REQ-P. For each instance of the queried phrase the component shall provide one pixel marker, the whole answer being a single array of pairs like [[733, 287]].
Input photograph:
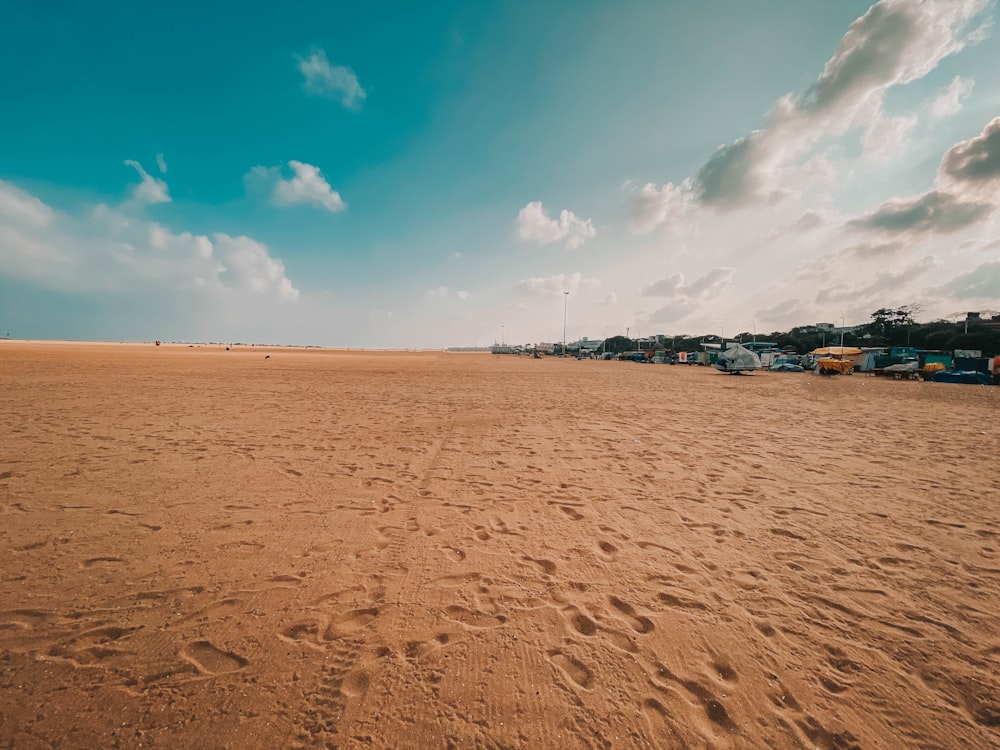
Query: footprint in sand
[[307, 632], [579, 622], [680, 602], [659, 717], [473, 618], [638, 623], [548, 567], [210, 660], [608, 550], [417, 649], [453, 552], [350, 621], [578, 673]]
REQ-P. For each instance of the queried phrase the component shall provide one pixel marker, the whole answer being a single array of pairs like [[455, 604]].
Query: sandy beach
[[269, 548]]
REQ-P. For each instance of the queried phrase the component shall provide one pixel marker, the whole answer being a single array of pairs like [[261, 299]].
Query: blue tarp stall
[[972, 377], [967, 364]]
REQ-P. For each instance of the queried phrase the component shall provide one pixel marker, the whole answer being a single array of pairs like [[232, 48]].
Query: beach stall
[[836, 360]]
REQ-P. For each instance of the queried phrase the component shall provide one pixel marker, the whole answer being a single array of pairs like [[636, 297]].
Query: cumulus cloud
[[894, 43], [949, 101], [21, 207], [934, 211], [151, 189], [112, 250], [463, 294], [334, 81], [306, 186], [665, 207], [967, 191], [731, 174], [553, 285], [247, 265], [975, 163], [535, 225]]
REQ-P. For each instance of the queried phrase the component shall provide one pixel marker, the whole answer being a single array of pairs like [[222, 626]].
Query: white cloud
[[151, 189], [463, 294], [894, 43], [886, 137], [307, 186], [535, 225], [552, 285], [699, 289], [950, 101], [112, 250], [667, 207], [974, 165], [808, 221], [19, 206], [934, 211], [249, 266], [966, 192], [334, 81], [438, 292], [161, 163], [684, 297]]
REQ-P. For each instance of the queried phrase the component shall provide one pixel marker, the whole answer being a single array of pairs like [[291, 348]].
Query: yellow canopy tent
[[834, 359], [838, 351]]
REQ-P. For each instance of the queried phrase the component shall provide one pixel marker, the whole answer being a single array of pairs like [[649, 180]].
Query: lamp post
[[501, 335], [565, 306]]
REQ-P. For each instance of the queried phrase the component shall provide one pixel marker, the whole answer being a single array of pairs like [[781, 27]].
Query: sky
[[423, 175]]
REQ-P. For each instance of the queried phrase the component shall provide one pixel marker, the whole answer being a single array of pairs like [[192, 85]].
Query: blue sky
[[388, 175]]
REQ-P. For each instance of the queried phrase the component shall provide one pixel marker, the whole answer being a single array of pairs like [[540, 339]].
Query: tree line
[[887, 327]]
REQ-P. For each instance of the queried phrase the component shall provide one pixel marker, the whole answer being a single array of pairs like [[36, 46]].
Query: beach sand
[[206, 549]]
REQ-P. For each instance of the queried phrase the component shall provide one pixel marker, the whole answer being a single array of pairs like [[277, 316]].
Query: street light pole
[[565, 305]]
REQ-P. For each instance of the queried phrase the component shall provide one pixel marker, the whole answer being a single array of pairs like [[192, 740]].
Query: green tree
[[890, 326], [617, 344]]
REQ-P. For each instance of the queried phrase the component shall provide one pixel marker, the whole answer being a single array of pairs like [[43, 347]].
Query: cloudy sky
[[438, 174]]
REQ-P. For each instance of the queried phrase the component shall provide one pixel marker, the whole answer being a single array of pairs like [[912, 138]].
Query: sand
[[204, 549]]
